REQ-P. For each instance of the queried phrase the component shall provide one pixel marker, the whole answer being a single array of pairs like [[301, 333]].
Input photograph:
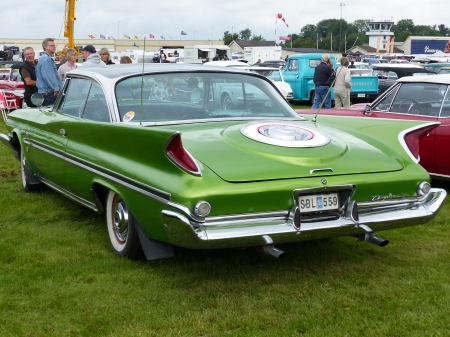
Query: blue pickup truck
[[299, 74]]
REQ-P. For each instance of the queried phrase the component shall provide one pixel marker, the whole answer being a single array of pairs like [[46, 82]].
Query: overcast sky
[[204, 19]]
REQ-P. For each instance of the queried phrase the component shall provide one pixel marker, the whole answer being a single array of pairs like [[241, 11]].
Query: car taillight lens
[[181, 157], [413, 138]]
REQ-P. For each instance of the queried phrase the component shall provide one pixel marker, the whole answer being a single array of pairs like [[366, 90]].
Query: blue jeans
[[49, 99], [320, 96]]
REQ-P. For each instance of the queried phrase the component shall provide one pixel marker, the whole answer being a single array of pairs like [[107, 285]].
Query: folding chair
[[10, 103], [3, 105]]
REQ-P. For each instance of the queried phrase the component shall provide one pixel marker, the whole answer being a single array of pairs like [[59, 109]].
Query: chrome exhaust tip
[[270, 249], [371, 238]]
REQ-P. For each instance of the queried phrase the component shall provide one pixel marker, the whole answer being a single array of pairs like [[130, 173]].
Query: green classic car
[[161, 151]]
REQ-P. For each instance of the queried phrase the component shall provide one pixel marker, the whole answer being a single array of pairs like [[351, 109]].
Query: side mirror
[[367, 109], [37, 99]]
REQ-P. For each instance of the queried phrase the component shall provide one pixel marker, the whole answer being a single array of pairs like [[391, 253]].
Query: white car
[[276, 76]]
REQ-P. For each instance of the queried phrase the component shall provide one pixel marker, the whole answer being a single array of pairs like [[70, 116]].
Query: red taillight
[[413, 138], [180, 156]]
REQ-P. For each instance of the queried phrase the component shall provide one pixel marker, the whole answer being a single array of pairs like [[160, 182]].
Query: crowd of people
[[46, 77]]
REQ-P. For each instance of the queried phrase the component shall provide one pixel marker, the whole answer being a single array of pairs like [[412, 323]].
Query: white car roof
[[439, 79], [225, 64], [399, 65]]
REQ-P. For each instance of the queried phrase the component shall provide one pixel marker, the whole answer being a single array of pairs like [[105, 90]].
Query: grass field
[[59, 277]]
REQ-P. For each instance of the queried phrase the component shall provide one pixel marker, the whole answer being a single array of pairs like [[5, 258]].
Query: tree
[[245, 34], [257, 38], [228, 38], [359, 25], [443, 30]]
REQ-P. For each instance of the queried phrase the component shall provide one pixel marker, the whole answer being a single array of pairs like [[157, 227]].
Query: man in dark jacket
[[28, 73], [322, 76]]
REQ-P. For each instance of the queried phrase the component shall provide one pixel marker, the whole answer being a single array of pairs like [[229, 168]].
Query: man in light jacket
[[91, 58], [342, 86], [48, 81]]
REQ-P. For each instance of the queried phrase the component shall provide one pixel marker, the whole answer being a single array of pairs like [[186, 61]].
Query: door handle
[[62, 132]]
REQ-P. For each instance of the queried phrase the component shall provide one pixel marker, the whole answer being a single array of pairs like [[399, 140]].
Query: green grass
[[59, 277]]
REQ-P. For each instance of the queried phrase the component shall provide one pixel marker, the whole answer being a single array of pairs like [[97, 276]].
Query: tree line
[[338, 34]]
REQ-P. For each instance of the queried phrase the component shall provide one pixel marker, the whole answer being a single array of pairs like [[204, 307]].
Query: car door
[[88, 134], [415, 101], [44, 146], [291, 76]]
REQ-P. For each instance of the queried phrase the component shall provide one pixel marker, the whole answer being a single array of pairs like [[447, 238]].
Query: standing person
[[322, 76], [91, 58], [352, 64], [47, 79], [28, 73], [71, 56], [162, 56], [342, 86], [125, 60], [105, 56], [62, 60]]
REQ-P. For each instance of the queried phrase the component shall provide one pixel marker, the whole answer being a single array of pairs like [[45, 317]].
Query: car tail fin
[[410, 139], [180, 156]]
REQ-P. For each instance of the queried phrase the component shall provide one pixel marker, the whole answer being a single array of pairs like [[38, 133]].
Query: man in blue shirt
[[322, 75], [48, 81]]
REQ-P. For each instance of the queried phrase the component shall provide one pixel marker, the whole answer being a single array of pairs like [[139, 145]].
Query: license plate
[[318, 202], [361, 95]]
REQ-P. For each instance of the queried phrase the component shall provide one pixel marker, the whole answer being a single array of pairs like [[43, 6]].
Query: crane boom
[[69, 19]]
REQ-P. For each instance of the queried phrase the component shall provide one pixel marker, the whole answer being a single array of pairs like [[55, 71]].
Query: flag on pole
[[183, 32], [102, 36], [126, 36], [136, 37], [162, 37], [320, 39], [151, 36], [285, 38], [111, 37], [135, 45], [284, 20], [91, 36]]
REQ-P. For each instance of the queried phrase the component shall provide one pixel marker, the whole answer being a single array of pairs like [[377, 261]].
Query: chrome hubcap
[[121, 221]]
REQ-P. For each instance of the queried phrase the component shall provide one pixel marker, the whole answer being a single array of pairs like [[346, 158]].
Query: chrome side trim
[[149, 191], [320, 170], [439, 176], [69, 194]]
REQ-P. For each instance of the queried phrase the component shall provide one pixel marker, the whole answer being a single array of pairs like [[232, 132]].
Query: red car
[[425, 98], [11, 82]]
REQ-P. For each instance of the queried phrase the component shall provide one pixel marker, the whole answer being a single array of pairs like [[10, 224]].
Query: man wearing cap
[[91, 58], [48, 81]]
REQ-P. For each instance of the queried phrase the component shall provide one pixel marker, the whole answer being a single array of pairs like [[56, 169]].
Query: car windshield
[[427, 99], [186, 96]]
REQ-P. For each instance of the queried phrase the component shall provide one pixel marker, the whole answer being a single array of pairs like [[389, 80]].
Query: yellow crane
[[69, 19]]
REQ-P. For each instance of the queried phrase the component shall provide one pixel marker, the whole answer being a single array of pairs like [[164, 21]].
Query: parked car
[[443, 70], [153, 149], [436, 66], [11, 83], [423, 98], [373, 61], [276, 63], [276, 76], [361, 65], [389, 73]]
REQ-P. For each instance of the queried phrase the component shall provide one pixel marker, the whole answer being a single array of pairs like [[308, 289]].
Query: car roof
[[398, 65], [439, 79], [122, 70]]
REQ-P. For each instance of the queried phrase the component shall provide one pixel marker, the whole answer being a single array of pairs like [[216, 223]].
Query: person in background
[[91, 58], [125, 60], [162, 56], [342, 85], [259, 61], [47, 79], [28, 73], [105, 56], [352, 64], [62, 60], [10, 56], [71, 56], [322, 76]]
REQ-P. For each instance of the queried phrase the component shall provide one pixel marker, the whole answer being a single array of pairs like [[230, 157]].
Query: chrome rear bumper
[[249, 229]]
